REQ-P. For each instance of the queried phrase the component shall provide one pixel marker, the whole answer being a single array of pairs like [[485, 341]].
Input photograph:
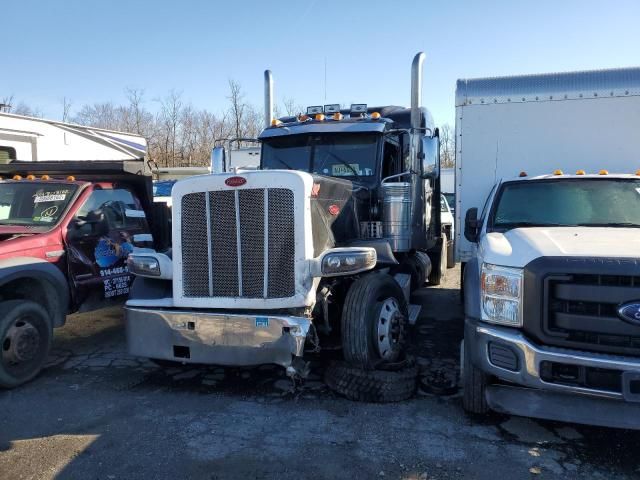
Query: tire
[[474, 382], [374, 303], [451, 256], [439, 270], [377, 386], [25, 340]]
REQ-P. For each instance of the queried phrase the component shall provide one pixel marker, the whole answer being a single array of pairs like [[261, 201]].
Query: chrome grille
[[224, 246], [239, 243], [194, 228], [281, 245]]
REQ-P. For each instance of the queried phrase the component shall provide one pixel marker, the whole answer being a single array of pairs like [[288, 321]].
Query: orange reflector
[[31, 177], [375, 115], [315, 190], [337, 116], [303, 118], [17, 177], [71, 178], [603, 172], [523, 174], [45, 177], [319, 117], [638, 172], [580, 172], [558, 172], [275, 122]]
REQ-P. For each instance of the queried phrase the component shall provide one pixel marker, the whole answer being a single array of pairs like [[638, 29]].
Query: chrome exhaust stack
[[268, 98], [416, 89]]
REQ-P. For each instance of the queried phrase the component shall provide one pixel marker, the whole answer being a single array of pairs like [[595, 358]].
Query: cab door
[[103, 232]]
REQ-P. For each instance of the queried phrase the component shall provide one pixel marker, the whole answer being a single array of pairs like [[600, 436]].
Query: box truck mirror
[[471, 225], [429, 157], [218, 160]]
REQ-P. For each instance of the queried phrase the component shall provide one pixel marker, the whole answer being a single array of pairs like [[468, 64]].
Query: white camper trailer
[[39, 139]]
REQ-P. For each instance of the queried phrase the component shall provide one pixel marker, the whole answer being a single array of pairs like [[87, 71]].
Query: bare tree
[[447, 146], [291, 107], [238, 108], [66, 109]]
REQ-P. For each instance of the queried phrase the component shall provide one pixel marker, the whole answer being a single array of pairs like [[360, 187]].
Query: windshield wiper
[[612, 224], [345, 164]]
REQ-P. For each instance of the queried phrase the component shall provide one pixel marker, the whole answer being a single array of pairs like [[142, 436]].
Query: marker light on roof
[[17, 177], [45, 177], [523, 174], [333, 108], [580, 172], [275, 122], [338, 116], [603, 172], [31, 177], [375, 115], [303, 118], [315, 109], [558, 172], [71, 178], [638, 172], [319, 117]]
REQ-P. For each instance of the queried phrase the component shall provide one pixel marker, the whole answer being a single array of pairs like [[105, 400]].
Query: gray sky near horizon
[[91, 51]]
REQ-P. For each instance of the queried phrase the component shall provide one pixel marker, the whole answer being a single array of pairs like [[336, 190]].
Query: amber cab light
[[375, 115], [45, 177], [580, 172], [337, 116], [17, 177], [603, 172], [31, 177], [558, 172], [319, 117], [523, 174], [71, 178]]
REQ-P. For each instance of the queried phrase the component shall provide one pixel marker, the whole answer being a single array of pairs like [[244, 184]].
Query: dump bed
[[539, 123]]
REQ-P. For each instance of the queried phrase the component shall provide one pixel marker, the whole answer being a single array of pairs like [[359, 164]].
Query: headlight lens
[[143, 266], [351, 261], [501, 292]]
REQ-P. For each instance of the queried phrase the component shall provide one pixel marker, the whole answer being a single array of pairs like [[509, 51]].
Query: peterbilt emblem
[[235, 181], [630, 312]]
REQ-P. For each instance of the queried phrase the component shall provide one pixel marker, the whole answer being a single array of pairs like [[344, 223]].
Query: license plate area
[[631, 386]]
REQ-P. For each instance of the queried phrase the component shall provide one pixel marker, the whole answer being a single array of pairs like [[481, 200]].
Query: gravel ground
[[97, 413]]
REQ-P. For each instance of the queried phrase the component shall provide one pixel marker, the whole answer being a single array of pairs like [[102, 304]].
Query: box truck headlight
[[346, 261], [153, 265], [501, 295]]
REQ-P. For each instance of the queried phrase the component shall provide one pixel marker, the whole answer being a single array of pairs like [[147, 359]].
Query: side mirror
[[429, 157], [218, 160], [471, 225]]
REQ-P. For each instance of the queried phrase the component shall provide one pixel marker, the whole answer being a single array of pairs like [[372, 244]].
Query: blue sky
[[91, 51]]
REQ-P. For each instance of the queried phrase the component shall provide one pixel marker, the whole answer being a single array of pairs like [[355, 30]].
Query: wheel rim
[[21, 344], [389, 329]]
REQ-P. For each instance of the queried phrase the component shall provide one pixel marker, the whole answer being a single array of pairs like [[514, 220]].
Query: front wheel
[[474, 383], [25, 340], [374, 321]]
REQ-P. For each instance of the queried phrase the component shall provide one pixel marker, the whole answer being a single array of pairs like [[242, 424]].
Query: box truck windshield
[[570, 202]]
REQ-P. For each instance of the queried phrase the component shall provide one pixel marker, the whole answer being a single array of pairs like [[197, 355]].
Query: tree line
[[179, 134]]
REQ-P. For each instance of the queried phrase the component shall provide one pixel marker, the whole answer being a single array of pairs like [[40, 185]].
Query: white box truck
[[548, 205]]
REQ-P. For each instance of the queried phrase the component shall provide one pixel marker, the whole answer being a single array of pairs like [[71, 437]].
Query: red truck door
[[103, 232]]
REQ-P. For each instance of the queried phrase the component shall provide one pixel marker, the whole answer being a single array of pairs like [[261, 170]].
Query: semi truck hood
[[519, 246]]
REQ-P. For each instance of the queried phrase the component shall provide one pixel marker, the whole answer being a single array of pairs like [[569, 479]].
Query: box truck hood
[[519, 246]]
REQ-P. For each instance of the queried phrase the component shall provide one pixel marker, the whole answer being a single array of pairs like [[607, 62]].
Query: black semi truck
[[319, 249]]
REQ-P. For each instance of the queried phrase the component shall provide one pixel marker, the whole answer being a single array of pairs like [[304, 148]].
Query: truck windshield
[[571, 202], [337, 155], [39, 204]]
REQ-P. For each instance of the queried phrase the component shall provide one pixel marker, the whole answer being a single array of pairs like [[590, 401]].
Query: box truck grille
[[582, 311], [238, 243]]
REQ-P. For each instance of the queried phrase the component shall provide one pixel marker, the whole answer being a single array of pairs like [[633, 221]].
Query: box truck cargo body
[[548, 208]]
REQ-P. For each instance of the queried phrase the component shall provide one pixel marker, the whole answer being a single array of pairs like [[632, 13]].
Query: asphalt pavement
[[98, 413]]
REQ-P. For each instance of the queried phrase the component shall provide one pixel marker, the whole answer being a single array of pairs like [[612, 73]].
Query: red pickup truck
[[66, 229]]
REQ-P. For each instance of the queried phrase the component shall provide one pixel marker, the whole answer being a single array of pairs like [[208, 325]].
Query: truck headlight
[[501, 295], [347, 261], [150, 264]]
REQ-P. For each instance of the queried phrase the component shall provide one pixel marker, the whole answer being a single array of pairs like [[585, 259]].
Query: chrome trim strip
[[531, 355], [238, 244], [265, 284], [209, 254]]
